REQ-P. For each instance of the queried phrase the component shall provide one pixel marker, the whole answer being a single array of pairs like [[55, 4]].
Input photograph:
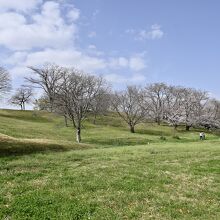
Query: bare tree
[[156, 94], [76, 95], [193, 104], [214, 106], [129, 106], [42, 103], [210, 118], [5, 81], [101, 103], [22, 97], [47, 78], [173, 111], [61, 109]]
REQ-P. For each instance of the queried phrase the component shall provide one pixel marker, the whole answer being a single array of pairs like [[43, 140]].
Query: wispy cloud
[[153, 33], [136, 78], [135, 62]]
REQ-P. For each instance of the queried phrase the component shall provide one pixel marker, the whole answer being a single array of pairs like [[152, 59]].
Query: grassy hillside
[[27, 131], [113, 174]]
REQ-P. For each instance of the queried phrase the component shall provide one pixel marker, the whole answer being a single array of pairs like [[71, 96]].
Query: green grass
[[114, 174], [109, 131]]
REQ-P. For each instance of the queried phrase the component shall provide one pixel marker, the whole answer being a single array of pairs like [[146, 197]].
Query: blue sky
[[126, 41]]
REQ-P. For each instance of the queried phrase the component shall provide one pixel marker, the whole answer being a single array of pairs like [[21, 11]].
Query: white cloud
[[49, 35], [11, 20], [73, 14], [67, 57], [154, 33], [19, 5], [73, 58], [124, 79], [137, 63], [122, 61], [134, 63], [92, 50], [16, 58], [118, 62], [48, 29]]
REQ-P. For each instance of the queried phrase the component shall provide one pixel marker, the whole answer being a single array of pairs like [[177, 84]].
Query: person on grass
[[201, 136]]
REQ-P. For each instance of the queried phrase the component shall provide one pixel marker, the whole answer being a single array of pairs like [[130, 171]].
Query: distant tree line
[[174, 105], [74, 94]]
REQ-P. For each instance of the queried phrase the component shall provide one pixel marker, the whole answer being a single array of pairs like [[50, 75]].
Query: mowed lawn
[[138, 176], [158, 181]]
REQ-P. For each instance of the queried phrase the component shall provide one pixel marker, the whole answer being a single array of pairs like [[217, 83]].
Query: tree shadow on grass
[[119, 141], [19, 147]]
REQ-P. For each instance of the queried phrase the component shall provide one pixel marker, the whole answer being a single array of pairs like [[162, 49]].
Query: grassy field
[[113, 174]]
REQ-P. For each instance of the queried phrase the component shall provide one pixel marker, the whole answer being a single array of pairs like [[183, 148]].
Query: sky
[[125, 41]]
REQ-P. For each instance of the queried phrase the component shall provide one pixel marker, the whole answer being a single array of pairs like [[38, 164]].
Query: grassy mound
[[39, 131], [15, 146]]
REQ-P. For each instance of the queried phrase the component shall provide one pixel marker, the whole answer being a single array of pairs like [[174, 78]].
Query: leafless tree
[[129, 106], [22, 97], [173, 110], [76, 95], [210, 118], [156, 94], [193, 104], [214, 106], [47, 78], [42, 103], [101, 103], [5, 81], [61, 109]]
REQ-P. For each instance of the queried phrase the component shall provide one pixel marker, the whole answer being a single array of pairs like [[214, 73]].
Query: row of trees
[[74, 94], [163, 103]]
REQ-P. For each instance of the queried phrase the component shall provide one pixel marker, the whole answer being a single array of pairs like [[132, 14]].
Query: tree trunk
[[187, 127], [175, 127], [51, 105], [132, 129], [66, 122], [78, 134], [157, 120], [94, 121]]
